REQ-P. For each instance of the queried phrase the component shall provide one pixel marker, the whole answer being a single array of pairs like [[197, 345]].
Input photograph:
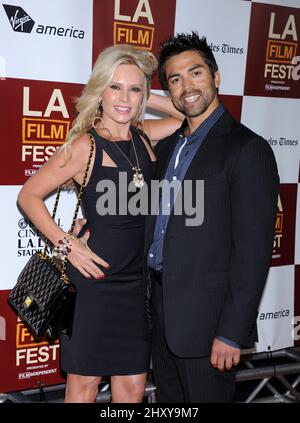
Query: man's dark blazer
[[214, 274]]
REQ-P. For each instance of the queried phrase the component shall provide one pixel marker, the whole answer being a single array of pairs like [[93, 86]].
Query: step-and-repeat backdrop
[[46, 54]]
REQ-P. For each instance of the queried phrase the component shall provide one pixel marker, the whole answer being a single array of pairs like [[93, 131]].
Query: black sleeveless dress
[[109, 336]]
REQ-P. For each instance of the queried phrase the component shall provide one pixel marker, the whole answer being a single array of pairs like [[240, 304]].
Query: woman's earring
[[98, 114]]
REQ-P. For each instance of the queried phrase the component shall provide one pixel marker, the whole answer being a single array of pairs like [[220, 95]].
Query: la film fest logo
[[42, 134], [282, 62], [34, 356], [21, 21], [127, 30]]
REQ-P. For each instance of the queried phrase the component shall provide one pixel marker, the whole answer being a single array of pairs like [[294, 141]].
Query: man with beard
[[206, 280]]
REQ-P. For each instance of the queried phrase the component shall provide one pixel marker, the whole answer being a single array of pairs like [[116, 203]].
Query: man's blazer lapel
[[201, 163]]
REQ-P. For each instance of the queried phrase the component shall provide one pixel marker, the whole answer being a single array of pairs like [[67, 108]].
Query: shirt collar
[[207, 123]]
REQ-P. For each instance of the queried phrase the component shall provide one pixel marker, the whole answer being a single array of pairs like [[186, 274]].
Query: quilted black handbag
[[43, 297]]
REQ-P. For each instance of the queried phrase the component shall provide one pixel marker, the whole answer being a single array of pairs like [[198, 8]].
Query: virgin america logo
[[20, 20]]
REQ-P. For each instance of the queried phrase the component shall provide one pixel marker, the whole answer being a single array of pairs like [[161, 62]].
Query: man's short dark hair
[[180, 43]]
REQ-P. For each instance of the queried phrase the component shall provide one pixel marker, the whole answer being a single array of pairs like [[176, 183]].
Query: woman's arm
[[164, 104], [157, 129], [51, 175]]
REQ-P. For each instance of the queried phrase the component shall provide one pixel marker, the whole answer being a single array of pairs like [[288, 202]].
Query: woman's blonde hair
[[108, 60]]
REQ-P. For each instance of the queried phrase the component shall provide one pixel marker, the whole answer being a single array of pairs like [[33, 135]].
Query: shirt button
[[174, 178], [169, 204], [162, 231], [151, 255]]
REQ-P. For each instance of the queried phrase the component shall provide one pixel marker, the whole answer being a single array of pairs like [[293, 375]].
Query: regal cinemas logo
[[29, 238], [278, 230], [42, 133], [128, 31], [282, 61]]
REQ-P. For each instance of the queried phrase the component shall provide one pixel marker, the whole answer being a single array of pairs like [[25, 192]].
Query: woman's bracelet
[[64, 247]]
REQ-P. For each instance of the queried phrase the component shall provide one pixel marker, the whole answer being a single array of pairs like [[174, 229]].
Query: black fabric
[[215, 272], [177, 379], [109, 336], [154, 274]]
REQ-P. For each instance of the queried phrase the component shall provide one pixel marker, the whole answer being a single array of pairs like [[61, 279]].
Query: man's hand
[[223, 356], [79, 223]]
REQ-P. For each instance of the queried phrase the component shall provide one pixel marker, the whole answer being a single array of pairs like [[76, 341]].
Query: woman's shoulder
[[82, 144]]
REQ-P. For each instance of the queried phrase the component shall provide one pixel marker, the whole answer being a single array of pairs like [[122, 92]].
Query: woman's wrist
[[63, 247]]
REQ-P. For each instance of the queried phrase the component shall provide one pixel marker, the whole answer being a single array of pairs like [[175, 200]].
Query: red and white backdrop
[[46, 54]]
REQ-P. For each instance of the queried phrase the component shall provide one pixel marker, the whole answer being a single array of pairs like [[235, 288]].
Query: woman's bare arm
[[156, 129], [51, 175]]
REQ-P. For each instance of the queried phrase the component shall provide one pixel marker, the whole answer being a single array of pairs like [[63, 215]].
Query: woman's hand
[[84, 259], [157, 129]]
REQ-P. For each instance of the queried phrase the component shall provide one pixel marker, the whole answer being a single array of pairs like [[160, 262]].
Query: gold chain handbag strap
[[78, 198], [83, 183]]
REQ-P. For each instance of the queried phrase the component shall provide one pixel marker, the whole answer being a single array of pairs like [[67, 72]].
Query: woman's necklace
[[138, 177]]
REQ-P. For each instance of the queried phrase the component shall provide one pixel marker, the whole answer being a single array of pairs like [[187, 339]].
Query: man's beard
[[202, 104]]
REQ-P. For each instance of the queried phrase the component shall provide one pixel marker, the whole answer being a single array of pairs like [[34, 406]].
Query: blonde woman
[[109, 337]]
